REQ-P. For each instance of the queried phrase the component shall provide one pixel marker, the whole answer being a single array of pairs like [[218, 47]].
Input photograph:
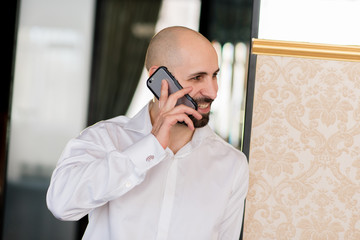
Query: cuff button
[[149, 158]]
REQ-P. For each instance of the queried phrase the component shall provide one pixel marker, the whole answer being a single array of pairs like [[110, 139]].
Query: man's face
[[199, 69]]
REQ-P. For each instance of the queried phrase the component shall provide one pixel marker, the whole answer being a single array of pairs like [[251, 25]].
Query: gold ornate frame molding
[[306, 50]]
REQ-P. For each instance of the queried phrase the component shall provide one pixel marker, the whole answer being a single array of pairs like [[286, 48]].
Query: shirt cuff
[[145, 153]]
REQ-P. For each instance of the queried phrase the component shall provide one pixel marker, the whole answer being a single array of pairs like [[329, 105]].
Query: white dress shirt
[[131, 188]]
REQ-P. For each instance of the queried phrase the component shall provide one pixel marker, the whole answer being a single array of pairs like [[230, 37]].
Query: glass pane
[[49, 104], [317, 21], [172, 13]]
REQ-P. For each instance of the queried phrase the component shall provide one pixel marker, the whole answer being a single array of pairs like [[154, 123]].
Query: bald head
[[167, 47]]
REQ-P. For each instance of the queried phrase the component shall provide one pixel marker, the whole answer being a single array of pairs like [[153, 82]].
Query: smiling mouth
[[203, 105]]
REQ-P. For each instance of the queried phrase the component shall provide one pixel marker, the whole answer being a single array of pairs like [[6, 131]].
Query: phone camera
[[150, 81]]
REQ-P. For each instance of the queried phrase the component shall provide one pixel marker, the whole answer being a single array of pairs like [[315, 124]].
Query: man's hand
[[169, 114]]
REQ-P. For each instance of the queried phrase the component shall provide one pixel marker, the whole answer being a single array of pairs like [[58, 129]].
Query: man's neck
[[180, 136]]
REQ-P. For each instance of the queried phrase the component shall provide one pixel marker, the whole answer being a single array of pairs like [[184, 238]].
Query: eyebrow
[[202, 73]]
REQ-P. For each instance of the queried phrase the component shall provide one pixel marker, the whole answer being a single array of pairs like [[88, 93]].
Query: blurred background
[[79, 62], [68, 64]]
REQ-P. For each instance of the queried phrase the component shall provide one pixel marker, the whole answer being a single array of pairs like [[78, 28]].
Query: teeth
[[203, 105]]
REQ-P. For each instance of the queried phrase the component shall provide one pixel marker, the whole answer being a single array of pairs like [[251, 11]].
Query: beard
[[202, 122], [205, 117]]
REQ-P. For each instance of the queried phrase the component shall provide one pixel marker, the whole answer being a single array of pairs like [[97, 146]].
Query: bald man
[[149, 177]]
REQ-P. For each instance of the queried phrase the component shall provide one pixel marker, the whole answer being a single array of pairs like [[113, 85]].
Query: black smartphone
[[154, 84]]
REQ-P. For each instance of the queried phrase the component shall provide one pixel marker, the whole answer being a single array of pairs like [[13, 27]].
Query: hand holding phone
[[171, 112], [154, 84]]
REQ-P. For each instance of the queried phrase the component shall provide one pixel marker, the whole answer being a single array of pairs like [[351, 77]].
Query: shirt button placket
[[168, 201]]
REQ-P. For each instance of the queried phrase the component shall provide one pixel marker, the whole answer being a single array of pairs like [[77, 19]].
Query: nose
[[210, 88]]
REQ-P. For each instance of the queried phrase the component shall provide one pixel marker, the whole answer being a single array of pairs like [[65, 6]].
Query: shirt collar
[[141, 122], [200, 135]]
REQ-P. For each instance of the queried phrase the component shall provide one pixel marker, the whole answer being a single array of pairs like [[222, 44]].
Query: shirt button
[[128, 184]]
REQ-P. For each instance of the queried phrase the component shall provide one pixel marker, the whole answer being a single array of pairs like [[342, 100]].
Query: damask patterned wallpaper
[[305, 150]]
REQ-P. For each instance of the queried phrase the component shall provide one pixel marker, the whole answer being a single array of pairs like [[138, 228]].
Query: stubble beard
[[205, 117], [202, 122]]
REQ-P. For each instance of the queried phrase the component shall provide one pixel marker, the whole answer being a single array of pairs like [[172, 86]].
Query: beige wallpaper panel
[[305, 150]]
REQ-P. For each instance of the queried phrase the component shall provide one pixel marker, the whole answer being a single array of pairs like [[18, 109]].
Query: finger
[[185, 119], [163, 93], [161, 129], [180, 109], [172, 119], [187, 110], [181, 92], [174, 97]]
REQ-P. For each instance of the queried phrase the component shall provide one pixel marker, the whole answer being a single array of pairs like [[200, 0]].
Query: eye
[[197, 78]]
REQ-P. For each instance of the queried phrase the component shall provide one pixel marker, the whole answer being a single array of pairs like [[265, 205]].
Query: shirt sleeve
[[232, 220], [88, 175]]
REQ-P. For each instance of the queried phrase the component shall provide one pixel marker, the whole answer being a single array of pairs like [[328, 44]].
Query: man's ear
[[152, 69]]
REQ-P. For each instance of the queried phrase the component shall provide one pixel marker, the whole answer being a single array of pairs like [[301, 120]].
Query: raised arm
[[91, 172]]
